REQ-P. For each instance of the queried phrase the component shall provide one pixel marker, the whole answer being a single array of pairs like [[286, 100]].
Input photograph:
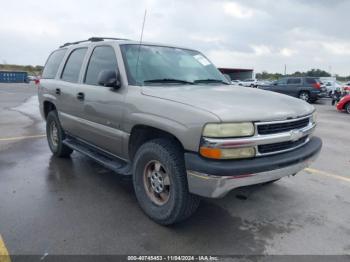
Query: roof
[[118, 40]]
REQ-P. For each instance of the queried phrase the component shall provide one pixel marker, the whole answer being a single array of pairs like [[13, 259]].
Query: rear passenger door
[[67, 90], [293, 86], [102, 108]]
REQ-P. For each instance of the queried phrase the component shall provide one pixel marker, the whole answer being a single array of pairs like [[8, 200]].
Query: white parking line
[[20, 137]]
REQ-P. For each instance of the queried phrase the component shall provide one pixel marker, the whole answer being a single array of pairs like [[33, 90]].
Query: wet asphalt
[[75, 206]]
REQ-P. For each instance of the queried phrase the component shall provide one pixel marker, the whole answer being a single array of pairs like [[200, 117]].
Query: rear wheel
[[304, 95], [347, 108], [160, 182], [55, 136]]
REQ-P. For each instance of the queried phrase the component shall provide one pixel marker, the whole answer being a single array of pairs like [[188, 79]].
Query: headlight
[[227, 153], [229, 130], [314, 117]]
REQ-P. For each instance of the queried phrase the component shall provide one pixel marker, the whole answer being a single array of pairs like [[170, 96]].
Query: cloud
[[338, 48], [287, 52], [238, 11], [260, 50], [259, 34]]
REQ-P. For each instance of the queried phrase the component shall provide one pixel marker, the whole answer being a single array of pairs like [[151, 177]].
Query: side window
[[102, 58], [52, 64], [73, 65], [293, 81], [282, 81]]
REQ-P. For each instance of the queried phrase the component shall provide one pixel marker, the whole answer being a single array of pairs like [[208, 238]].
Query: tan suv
[[166, 117]]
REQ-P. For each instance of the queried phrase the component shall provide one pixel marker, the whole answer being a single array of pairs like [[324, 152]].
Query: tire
[[347, 107], [55, 138], [304, 95], [174, 203]]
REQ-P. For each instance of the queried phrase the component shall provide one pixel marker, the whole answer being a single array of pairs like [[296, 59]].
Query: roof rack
[[92, 39]]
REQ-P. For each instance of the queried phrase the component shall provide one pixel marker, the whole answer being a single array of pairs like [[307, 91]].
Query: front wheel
[[160, 182], [55, 136], [303, 95]]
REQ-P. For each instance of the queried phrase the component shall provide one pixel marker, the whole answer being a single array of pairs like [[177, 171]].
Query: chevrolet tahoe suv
[[167, 118]]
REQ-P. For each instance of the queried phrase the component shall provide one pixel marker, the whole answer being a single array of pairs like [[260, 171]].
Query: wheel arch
[[141, 134], [48, 106]]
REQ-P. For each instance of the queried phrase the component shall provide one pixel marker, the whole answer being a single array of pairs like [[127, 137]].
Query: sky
[[260, 34]]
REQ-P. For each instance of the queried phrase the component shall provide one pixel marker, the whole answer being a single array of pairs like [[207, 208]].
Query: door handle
[[80, 96], [58, 91]]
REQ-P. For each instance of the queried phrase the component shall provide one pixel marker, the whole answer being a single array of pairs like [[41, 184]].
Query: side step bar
[[109, 161]]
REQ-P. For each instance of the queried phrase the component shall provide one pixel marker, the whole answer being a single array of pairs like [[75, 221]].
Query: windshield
[[168, 65]]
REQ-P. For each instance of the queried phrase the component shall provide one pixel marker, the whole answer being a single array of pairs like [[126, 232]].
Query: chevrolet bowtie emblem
[[295, 135]]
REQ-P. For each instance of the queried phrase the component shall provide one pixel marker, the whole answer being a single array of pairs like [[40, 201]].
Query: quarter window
[[102, 59], [73, 65], [311, 80], [52, 64]]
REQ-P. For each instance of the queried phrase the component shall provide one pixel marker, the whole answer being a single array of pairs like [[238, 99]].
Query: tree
[[312, 73]]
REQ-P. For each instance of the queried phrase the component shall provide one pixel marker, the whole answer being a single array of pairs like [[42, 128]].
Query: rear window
[[52, 64], [311, 80], [73, 65]]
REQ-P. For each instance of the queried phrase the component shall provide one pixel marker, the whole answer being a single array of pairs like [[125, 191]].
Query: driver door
[[101, 108]]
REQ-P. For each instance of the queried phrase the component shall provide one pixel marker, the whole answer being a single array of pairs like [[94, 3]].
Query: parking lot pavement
[[75, 206]]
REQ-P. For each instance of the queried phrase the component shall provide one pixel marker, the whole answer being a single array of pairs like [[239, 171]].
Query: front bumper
[[213, 178]]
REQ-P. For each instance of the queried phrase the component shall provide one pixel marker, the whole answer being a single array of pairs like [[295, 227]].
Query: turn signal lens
[[214, 153], [227, 153]]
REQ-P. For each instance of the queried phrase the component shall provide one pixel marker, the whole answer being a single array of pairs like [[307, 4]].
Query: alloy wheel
[[157, 182]]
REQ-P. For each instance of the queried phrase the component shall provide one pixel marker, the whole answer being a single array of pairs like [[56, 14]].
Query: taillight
[[316, 85]]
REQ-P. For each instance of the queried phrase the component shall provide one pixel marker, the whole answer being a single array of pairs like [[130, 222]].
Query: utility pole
[[285, 69]]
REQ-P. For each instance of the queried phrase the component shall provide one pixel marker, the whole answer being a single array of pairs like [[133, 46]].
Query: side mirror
[[109, 78]]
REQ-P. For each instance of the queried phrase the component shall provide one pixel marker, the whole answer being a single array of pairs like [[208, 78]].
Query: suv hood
[[233, 103]]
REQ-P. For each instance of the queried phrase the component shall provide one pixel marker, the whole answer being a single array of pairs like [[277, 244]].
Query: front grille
[[270, 148], [267, 129]]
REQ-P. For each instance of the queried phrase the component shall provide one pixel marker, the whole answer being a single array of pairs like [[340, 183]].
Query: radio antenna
[[138, 53]]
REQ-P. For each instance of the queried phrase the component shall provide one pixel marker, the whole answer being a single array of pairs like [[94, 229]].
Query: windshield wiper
[[168, 80], [210, 81]]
